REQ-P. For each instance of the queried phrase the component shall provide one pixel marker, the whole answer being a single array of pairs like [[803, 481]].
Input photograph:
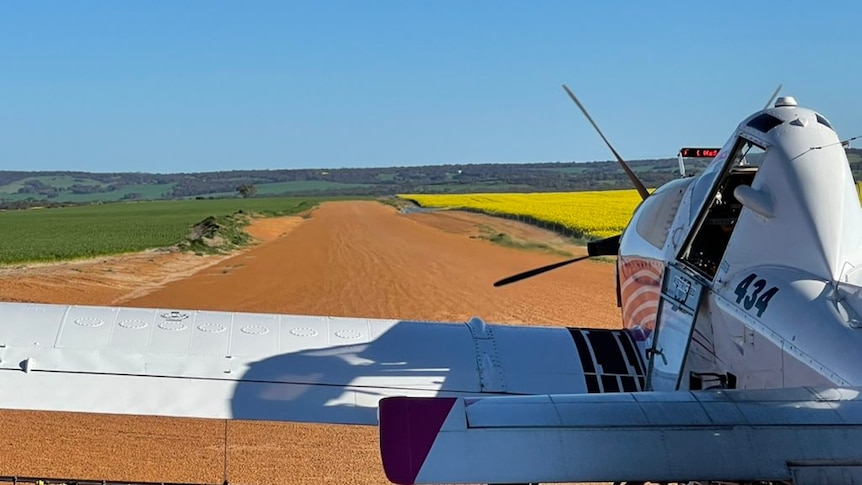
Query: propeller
[[772, 98], [611, 245], [634, 178], [538, 271], [604, 247]]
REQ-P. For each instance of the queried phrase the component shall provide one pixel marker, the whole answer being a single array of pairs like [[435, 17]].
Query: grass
[[96, 230], [505, 240], [218, 234], [393, 202]]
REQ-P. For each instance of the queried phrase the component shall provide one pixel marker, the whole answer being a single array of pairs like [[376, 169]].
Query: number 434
[[750, 293]]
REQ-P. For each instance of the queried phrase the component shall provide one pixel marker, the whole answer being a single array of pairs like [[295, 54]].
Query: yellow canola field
[[593, 214]]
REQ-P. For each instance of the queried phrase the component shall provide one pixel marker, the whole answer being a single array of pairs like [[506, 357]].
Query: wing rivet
[[173, 326], [254, 330], [303, 332], [348, 334], [89, 322], [211, 327], [132, 324]]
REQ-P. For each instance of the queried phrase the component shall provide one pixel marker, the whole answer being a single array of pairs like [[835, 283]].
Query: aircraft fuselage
[[770, 237]]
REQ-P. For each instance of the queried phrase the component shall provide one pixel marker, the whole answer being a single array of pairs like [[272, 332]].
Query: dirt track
[[349, 259]]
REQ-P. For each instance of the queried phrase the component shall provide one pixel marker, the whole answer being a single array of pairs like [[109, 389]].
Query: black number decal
[[743, 287], [759, 285], [763, 301], [754, 299]]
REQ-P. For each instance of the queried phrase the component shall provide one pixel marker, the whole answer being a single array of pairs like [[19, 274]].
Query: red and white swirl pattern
[[640, 291]]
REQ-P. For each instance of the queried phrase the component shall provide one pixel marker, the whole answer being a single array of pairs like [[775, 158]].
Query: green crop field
[[88, 231]]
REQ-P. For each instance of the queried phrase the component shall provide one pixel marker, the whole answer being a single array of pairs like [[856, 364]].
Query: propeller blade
[[772, 98], [537, 271], [609, 246], [635, 181]]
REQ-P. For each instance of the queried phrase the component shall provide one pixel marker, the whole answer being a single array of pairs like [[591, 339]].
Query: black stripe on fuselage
[[610, 360], [583, 351]]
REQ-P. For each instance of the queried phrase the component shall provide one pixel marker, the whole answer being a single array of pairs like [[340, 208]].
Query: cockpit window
[[764, 122], [747, 155], [710, 236], [823, 121]]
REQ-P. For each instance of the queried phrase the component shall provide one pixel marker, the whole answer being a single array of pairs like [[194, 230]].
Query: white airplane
[[740, 359]]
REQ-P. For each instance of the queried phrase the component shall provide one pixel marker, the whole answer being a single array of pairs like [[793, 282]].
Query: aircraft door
[[666, 350]]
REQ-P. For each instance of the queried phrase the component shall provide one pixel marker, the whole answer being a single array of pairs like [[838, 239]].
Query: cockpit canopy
[[782, 189]]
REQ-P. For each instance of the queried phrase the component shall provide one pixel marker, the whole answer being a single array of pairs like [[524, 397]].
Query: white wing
[[282, 367], [804, 435]]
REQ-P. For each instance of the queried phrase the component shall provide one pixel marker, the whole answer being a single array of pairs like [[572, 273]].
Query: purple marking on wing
[[408, 428]]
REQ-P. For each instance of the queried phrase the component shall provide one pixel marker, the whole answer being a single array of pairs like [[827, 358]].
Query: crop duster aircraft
[[740, 359]]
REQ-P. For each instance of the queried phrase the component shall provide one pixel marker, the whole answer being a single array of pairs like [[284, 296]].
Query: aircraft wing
[[286, 367], [799, 434]]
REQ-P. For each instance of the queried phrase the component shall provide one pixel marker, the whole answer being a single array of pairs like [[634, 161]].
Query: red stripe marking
[[408, 428], [636, 274]]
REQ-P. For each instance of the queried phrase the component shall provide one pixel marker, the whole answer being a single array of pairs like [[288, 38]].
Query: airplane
[[739, 359]]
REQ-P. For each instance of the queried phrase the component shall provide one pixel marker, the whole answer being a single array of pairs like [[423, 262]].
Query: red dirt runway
[[361, 259]]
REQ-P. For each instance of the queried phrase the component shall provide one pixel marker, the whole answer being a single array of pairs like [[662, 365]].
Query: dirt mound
[[206, 232], [349, 259]]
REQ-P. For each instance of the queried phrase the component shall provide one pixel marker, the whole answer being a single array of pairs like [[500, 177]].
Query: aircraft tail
[[771, 435]]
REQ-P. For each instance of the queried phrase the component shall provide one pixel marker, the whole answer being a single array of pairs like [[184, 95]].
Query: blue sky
[[168, 86]]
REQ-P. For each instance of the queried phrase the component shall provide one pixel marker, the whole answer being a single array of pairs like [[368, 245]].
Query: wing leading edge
[[799, 434], [284, 367]]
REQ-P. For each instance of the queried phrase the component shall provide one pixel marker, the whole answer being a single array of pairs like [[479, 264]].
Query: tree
[[247, 190]]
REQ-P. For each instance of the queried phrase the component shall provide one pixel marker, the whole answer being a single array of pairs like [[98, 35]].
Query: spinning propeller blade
[[772, 98], [605, 247], [537, 271], [635, 180], [609, 246]]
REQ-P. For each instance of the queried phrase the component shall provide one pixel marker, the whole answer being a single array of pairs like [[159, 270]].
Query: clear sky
[[181, 86]]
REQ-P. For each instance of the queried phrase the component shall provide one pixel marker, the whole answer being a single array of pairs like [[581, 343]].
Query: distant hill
[[24, 189]]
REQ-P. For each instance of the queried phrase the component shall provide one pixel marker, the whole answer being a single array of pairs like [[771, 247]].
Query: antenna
[[681, 165]]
